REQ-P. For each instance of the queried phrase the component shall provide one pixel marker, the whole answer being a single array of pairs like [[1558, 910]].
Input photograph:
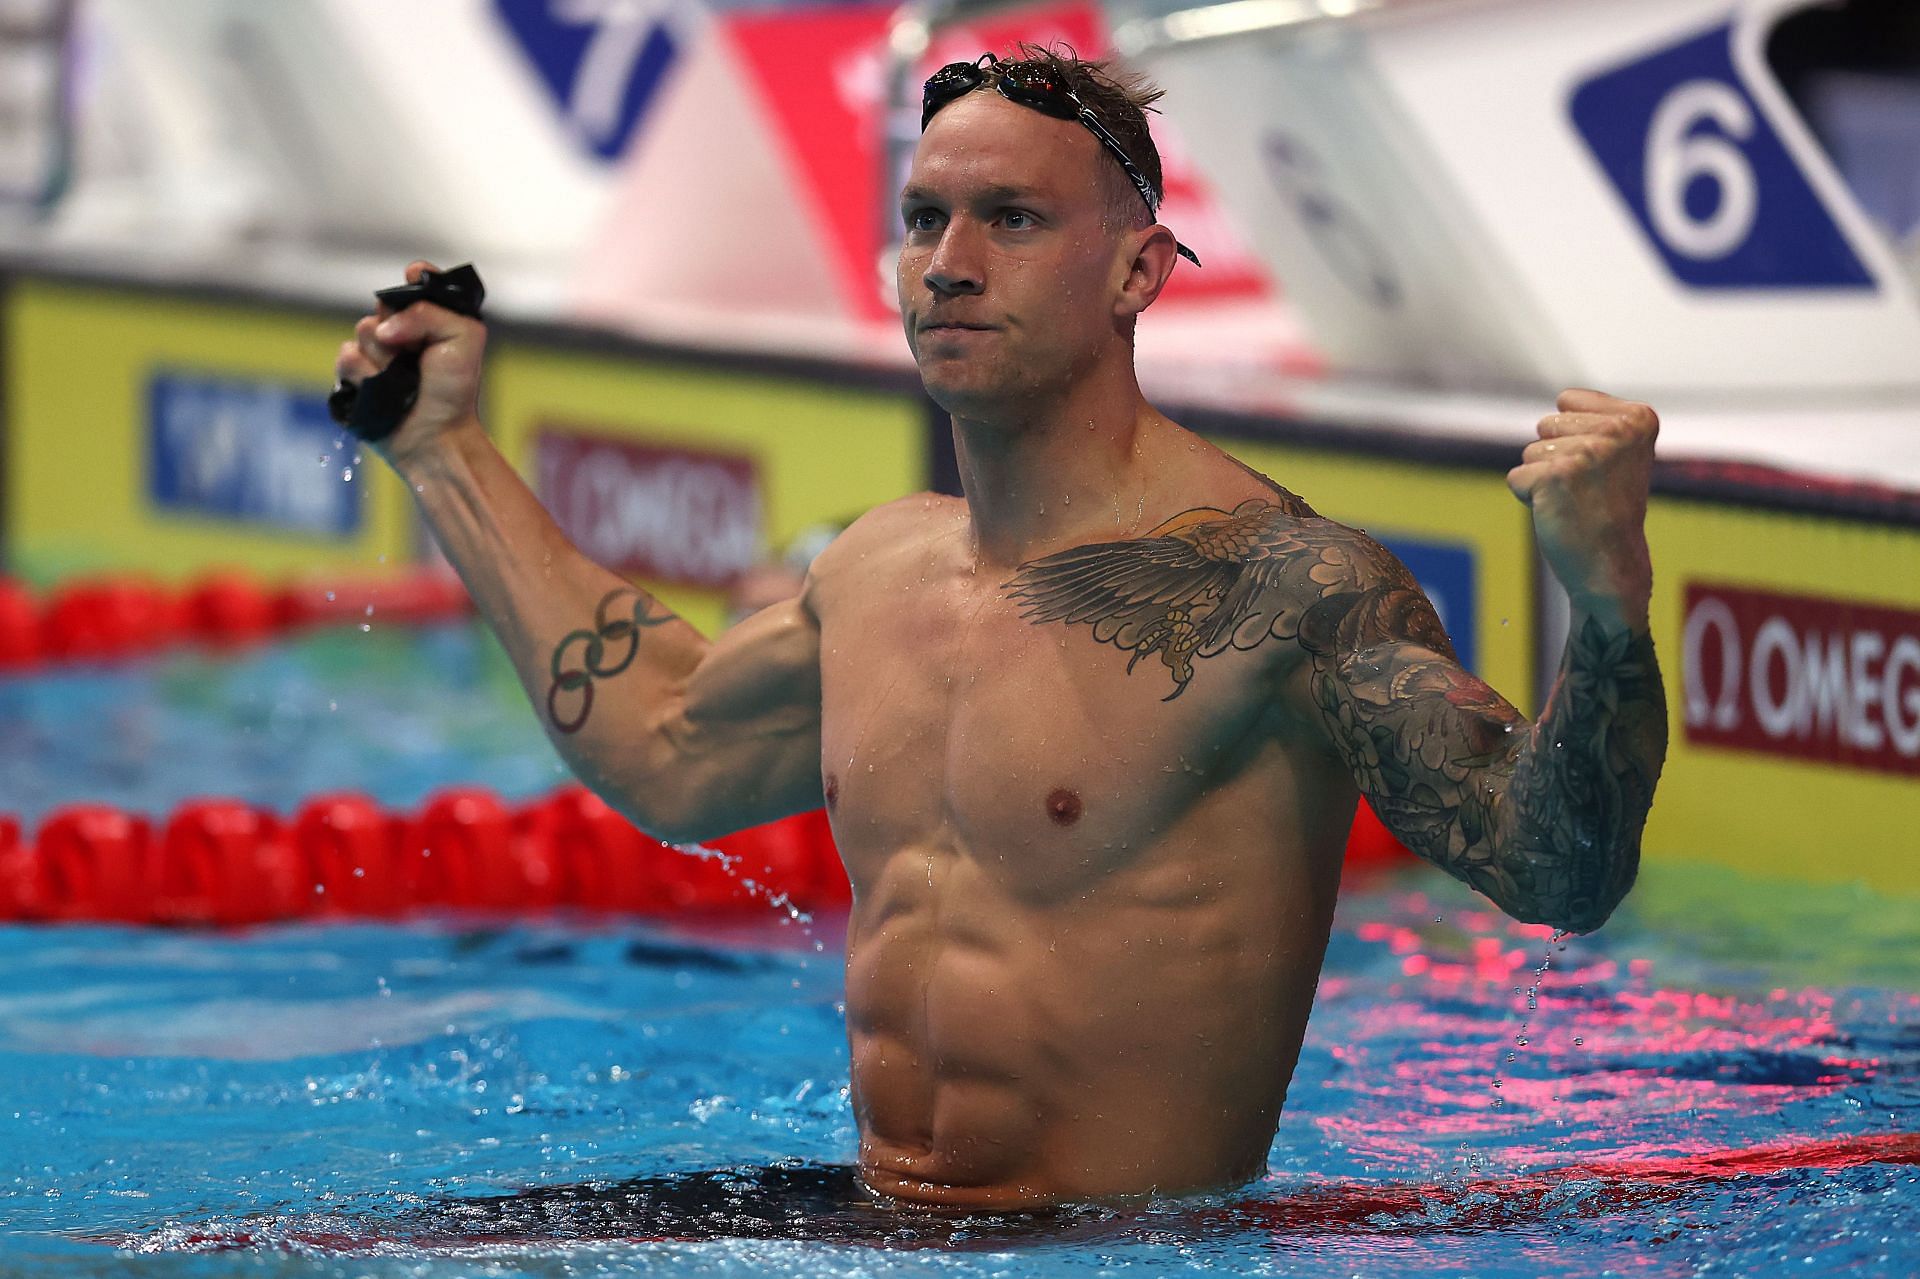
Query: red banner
[[670, 514], [1801, 676]]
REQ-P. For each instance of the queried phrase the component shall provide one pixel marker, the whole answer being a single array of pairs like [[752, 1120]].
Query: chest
[[948, 718]]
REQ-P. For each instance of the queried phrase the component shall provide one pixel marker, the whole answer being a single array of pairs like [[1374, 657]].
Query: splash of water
[[777, 900]]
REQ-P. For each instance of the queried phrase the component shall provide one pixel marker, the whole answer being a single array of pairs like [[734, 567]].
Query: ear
[[1148, 268]]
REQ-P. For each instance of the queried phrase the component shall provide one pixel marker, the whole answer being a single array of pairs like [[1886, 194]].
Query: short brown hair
[[1120, 100]]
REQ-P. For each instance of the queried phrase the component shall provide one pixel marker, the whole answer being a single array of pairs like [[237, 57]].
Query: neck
[[1043, 477]]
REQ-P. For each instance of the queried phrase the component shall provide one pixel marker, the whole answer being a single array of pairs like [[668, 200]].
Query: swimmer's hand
[[1586, 479], [451, 349]]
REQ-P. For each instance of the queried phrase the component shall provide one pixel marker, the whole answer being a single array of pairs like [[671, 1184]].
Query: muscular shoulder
[[899, 530], [1368, 598]]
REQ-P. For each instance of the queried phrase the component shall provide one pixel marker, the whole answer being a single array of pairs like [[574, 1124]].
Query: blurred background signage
[[1801, 676], [1706, 175], [257, 452], [689, 516], [602, 60]]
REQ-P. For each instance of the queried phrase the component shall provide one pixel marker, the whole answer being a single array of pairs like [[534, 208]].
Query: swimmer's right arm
[[690, 738]]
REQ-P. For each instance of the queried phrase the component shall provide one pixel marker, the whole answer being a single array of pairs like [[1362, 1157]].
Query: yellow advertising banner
[[1458, 529], [1790, 648], [683, 477], [167, 435]]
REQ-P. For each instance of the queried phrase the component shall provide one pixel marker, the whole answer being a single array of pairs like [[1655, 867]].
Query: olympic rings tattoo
[[593, 660]]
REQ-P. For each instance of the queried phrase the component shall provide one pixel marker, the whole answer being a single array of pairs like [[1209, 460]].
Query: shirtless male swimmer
[[1092, 736]]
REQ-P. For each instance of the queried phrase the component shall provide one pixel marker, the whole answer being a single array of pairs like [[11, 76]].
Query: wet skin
[[1087, 922], [1092, 736]]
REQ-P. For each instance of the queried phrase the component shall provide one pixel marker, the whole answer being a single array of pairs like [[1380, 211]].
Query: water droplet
[[365, 626], [330, 597]]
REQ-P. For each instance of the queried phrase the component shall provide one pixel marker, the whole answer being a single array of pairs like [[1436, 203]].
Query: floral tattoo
[[1545, 819]]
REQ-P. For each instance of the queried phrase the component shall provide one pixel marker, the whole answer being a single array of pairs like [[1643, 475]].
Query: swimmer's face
[[1015, 281]]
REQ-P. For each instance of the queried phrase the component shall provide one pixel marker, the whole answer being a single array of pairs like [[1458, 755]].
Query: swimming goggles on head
[[1032, 84]]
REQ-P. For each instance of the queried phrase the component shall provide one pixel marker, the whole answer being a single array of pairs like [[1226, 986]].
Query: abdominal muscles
[[944, 1073], [1009, 1053]]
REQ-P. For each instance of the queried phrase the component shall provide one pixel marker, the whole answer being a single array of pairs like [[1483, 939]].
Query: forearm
[[1542, 818], [600, 660], [1567, 838]]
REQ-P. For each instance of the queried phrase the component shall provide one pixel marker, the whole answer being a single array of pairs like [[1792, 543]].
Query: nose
[[955, 270]]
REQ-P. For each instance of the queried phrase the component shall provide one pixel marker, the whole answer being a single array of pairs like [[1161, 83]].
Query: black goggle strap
[[1133, 172], [959, 78]]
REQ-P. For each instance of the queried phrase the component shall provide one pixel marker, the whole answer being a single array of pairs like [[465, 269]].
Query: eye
[[1018, 220], [923, 218]]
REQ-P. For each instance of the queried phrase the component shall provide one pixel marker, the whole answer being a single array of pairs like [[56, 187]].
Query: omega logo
[[1819, 679]]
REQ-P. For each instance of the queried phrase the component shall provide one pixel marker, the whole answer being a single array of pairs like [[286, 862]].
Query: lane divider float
[[222, 862], [124, 616]]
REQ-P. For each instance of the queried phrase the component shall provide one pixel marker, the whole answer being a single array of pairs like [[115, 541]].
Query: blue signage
[[251, 451], [603, 61], [1709, 181], [1445, 573]]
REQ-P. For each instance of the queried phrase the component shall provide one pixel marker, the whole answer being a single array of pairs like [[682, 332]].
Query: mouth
[[955, 326]]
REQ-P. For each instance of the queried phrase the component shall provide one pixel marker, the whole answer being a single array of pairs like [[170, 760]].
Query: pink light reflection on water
[[1425, 1044]]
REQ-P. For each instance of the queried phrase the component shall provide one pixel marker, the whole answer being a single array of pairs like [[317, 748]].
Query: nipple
[[1063, 806], [833, 791]]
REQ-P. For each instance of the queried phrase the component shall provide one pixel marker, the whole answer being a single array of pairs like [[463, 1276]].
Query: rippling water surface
[[1473, 1099]]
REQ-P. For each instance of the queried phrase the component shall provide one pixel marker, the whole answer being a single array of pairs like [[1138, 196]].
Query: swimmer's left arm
[[1543, 818]]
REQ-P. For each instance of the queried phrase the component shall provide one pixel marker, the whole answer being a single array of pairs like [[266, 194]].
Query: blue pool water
[[164, 1092]]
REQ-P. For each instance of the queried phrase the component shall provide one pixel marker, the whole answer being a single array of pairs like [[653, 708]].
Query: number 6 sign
[[1719, 195]]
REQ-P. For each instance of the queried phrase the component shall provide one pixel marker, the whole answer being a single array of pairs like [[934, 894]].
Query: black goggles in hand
[[1032, 84]]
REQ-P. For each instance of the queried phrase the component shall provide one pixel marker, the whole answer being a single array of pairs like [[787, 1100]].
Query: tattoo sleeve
[[1544, 819]]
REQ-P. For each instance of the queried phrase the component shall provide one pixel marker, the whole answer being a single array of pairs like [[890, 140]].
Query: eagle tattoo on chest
[[1209, 580]]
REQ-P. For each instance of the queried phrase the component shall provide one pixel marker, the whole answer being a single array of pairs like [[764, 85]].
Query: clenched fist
[[1586, 479], [451, 349]]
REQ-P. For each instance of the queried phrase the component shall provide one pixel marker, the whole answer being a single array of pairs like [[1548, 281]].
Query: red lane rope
[[118, 617], [223, 862]]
